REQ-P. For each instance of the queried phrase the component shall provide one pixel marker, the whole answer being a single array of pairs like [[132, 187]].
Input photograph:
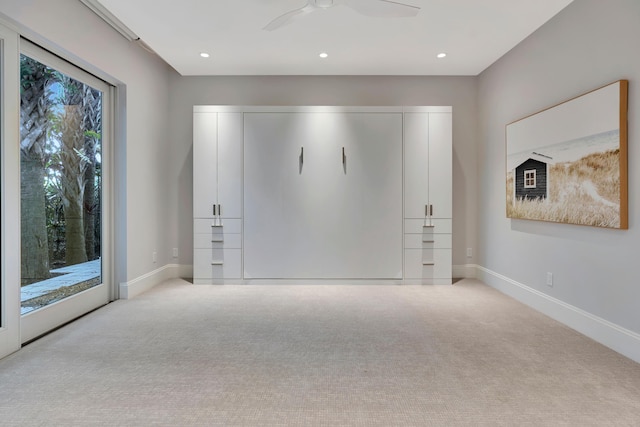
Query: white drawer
[[427, 241], [217, 241], [217, 263], [206, 225], [427, 264], [415, 226]]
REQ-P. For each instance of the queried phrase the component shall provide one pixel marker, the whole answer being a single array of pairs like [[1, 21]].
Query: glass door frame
[[41, 321], [10, 182]]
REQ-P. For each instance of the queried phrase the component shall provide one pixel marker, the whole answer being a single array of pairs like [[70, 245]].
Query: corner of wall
[[465, 271]]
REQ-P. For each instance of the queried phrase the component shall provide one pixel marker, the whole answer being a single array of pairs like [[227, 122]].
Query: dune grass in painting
[[585, 192]]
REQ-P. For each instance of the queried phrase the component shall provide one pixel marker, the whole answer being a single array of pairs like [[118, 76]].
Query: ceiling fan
[[378, 8]]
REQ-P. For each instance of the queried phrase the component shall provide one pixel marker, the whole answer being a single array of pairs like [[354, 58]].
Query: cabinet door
[[278, 171], [229, 164], [416, 170], [316, 216], [205, 134], [440, 164], [367, 202], [428, 164]]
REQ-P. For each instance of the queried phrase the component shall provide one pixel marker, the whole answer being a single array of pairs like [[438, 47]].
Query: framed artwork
[[568, 163]]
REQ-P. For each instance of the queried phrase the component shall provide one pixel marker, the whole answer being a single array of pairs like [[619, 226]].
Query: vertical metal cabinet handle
[[214, 210], [430, 210], [426, 210], [301, 155], [219, 210], [344, 157]]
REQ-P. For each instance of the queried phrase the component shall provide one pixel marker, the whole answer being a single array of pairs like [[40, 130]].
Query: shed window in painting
[[530, 178]]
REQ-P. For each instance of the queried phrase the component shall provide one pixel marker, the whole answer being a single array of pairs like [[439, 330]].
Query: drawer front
[[205, 225], [415, 226], [427, 241], [217, 241], [217, 263], [427, 264]]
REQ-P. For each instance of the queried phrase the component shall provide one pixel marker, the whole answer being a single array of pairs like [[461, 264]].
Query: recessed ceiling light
[[441, 55], [204, 54], [323, 55]]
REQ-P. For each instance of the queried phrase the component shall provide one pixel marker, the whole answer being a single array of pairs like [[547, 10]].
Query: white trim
[[110, 19], [317, 109], [298, 282], [61, 312], [141, 284], [615, 337]]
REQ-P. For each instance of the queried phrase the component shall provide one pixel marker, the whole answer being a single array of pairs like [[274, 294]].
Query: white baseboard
[[141, 284], [615, 337], [466, 271]]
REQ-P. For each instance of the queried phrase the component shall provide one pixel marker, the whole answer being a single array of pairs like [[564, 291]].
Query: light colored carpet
[[281, 355]]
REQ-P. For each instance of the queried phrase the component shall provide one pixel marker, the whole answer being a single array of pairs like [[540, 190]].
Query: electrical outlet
[[469, 253], [155, 257], [175, 252], [549, 279]]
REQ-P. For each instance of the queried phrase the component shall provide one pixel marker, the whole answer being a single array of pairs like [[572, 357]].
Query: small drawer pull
[[428, 241], [217, 262], [428, 263], [217, 241]]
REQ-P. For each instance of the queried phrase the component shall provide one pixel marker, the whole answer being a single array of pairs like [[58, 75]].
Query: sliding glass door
[[64, 178]]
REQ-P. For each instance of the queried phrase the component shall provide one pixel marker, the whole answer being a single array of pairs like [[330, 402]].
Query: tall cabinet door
[[416, 167], [368, 201], [205, 163], [427, 162], [229, 164], [278, 170], [440, 163]]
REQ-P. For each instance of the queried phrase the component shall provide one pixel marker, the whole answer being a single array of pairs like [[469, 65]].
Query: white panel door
[[416, 170], [277, 213], [229, 164], [205, 142], [307, 213], [440, 164], [368, 199]]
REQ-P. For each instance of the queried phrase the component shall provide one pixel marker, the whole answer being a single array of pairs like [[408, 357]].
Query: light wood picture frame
[[568, 163]]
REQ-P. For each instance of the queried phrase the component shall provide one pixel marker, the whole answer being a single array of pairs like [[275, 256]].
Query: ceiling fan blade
[[382, 8], [285, 19]]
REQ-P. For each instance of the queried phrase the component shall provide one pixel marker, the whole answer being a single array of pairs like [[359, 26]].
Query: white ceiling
[[473, 33]]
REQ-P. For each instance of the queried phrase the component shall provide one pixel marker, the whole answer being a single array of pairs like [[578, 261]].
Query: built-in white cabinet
[[217, 163], [322, 193], [428, 195], [217, 194]]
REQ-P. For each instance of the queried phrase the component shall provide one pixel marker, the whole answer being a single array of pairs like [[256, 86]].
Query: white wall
[[459, 92], [589, 44], [71, 30]]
